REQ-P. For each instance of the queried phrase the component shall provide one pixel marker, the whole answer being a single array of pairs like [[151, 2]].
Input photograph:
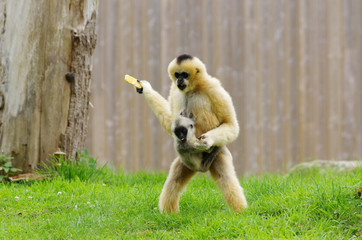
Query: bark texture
[[45, 73]]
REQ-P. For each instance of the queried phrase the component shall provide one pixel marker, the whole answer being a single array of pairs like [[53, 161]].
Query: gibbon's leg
[[223, 172], [176, 181]]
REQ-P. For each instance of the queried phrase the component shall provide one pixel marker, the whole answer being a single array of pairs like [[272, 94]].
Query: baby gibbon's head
[[185, 71], [183, 128]]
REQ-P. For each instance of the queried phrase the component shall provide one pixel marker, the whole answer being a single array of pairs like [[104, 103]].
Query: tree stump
[[45, 74]]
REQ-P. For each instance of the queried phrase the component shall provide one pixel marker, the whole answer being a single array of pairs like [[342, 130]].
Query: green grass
[[124, 206], [84, 168]]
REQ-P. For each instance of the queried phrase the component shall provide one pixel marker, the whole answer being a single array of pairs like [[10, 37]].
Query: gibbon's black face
[[184, 127], [181, 133], [184, 71], [182, 78]]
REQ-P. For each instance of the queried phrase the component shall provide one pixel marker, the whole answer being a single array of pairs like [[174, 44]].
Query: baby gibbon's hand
[[203, 143]]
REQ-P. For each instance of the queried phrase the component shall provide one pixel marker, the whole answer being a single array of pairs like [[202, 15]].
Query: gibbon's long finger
[[139, 90], [204, 142], [201, 137]]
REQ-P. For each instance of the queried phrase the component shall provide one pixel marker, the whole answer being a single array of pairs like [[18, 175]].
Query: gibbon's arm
[[228, 130], [158, 104]]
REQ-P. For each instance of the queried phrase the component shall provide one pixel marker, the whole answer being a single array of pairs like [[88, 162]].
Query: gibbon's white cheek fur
[[215, 125]]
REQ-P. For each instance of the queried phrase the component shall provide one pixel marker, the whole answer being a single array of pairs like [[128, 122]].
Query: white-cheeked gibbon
[[194, 92]]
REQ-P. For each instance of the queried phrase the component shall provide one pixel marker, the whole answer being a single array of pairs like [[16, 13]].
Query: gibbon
[[194, 91], [183, 131]]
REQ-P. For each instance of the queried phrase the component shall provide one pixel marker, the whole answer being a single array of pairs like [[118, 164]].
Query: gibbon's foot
[[168, 207]]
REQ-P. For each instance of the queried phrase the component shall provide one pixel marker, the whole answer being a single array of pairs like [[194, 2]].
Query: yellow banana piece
[[132, 81]]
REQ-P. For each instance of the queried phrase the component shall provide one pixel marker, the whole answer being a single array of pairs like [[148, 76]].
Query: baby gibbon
[[194, 91], [183, 131]]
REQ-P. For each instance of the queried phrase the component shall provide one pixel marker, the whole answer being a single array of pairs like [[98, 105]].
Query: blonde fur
[[215, 125]]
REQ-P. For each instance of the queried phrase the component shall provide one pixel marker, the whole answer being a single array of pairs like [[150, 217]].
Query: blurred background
[[293, 69]]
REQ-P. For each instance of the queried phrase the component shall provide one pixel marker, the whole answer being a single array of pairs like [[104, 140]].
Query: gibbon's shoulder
[[217, 93], [215, 82], [214, 86], [205, 82]]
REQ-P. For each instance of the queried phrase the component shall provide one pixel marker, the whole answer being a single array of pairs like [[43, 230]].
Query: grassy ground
[[309, 206]]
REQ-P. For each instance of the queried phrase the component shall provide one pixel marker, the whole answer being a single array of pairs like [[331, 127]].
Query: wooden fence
[[293, 69]]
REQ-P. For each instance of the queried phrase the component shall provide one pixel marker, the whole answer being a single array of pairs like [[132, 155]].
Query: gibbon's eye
[[185, 74], [191, 126]]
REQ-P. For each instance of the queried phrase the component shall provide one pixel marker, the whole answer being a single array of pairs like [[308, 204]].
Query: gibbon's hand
[[139, 90], [146, 86], [203, 143]]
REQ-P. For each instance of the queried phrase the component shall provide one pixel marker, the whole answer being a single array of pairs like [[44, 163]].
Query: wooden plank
[[351, 78], [237, 58], [268, 83], [334, 75], [288, 58], [97, 144], [261, 159], [279, 82], [250, 75], [322, 53], [127, 96], [358, 108], [302, 14], [155, 72]]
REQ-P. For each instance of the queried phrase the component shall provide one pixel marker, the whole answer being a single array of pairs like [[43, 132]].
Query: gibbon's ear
[[197, 70]]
